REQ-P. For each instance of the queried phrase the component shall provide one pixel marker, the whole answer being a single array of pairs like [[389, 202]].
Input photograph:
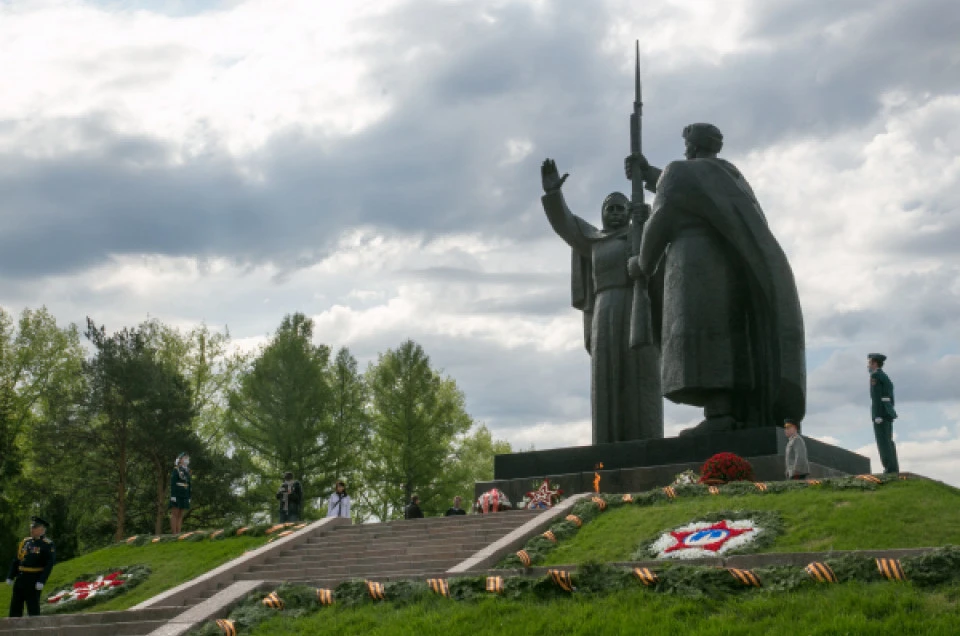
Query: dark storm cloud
[[436, 162]]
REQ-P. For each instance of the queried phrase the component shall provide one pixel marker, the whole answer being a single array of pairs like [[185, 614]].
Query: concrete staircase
[[328, 555], [417, 548], [124, 623]]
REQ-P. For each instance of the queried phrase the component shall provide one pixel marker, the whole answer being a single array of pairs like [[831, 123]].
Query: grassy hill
[[171, 563], [902, 514], [869, 608]]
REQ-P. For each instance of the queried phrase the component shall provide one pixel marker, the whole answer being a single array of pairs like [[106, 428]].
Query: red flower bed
[[726, 467]]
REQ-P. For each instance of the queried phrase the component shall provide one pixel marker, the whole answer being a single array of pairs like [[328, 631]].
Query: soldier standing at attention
[[881, 410], [179, 492], [30, 570]]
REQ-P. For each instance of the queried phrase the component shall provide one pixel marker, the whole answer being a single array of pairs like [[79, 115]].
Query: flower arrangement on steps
[[90, 589]]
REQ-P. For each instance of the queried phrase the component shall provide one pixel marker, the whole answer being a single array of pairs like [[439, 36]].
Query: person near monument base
[[179, 492], [290, 496], [30, 569], [625, 383], [798, 467], [456, 508], [882, 412], [731, 337], [339, 503], [413, 511]]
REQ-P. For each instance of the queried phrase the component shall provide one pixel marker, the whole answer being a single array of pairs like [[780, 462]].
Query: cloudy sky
[[375, 164]]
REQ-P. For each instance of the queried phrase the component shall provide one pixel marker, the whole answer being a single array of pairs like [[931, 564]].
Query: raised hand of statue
[[635, 161], [550, 176]]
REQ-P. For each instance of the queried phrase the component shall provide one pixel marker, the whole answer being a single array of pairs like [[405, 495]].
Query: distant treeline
[[88, 435]]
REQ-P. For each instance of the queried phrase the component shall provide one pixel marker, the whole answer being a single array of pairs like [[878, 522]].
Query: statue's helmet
[[705, 136]]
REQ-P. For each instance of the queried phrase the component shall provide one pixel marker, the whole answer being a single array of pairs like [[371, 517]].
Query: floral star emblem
[[710, 538], [542, 497]]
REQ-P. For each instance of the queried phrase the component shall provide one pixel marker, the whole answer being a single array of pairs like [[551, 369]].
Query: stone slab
[[671, 450], [515, 539]]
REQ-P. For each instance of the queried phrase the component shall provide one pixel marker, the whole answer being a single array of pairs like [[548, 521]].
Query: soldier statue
[[625, 383], [731, 330]]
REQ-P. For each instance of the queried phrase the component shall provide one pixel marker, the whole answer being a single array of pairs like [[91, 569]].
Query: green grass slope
[[899, 514], [855, 608], [171, 564]]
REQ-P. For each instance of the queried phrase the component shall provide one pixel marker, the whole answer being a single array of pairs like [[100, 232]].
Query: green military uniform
[[882, 413], [180, 487], [30, 570]]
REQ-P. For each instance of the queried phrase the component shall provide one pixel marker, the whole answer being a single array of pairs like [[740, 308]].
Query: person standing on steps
[[798, 467], [457, 508], [179, 492], [413, 511], [290, 496], [30, 569], [339, 504], [882, 412]]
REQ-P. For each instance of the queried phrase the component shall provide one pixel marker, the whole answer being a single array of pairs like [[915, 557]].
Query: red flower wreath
[[726, 467]]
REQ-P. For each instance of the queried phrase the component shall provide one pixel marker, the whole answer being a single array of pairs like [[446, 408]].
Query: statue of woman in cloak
[[625, 383]]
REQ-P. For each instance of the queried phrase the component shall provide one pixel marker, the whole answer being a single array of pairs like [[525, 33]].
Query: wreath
[[90, 589]]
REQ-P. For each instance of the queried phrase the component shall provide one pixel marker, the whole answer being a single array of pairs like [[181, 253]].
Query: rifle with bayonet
[[640, 329]]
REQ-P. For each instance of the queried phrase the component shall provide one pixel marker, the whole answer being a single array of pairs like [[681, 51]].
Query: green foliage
[[601, 586], [417, 418], [915, 513], [282, 407]]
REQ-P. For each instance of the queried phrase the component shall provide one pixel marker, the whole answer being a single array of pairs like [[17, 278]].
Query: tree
[[350, 427], [417, 418], [37, 359], [282, 406], [137, 408]]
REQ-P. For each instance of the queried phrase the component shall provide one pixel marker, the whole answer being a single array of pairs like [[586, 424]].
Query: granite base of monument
[[646, 464]]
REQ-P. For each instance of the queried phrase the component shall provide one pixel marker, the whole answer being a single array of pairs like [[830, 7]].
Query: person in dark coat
[[882, 412], [290, 495], [457, 508], [30, 569], [413, 511], [179, 491]]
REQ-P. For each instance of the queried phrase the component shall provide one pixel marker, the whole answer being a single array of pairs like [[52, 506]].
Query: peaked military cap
[[879, 357], [37, 521]]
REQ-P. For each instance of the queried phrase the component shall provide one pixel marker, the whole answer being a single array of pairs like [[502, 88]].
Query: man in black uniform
[[29, 571], [882, 412], [456, 509]]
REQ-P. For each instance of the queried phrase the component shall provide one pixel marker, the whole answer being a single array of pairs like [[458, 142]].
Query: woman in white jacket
[[339, 504]]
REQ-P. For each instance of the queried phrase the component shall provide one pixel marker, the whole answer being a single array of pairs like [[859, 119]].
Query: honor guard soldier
[[29, 571], [882, 412]]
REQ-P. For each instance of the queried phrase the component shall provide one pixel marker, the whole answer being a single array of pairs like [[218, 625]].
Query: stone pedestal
[[646, 464]]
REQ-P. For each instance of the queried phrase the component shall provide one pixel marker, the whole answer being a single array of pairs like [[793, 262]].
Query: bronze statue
[[731, 330], [625, 382]]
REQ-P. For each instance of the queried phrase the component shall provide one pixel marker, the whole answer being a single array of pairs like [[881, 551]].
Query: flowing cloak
[[625, 384], [718, 255]]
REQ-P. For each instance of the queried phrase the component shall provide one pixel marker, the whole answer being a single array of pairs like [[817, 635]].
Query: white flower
[[661, 548]]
